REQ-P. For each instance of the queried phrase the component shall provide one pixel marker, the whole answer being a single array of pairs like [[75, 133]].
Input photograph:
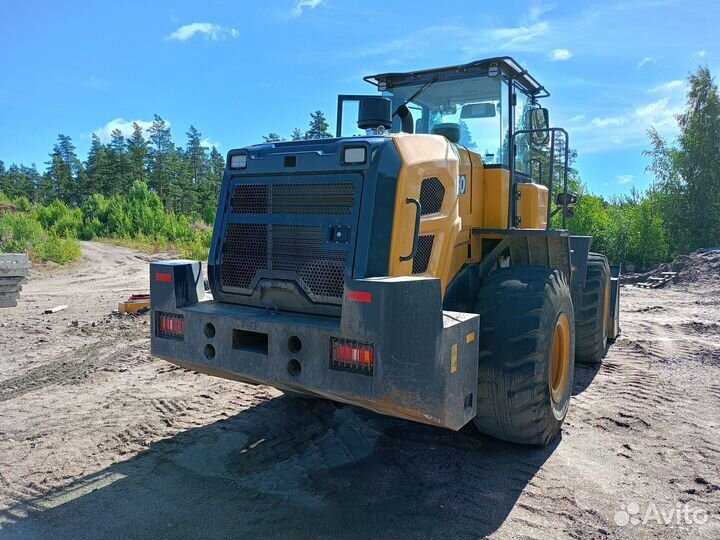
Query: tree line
[[186, 179], [678, 213]]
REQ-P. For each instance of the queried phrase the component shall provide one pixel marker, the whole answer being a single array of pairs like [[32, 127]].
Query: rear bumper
[[425, 360]]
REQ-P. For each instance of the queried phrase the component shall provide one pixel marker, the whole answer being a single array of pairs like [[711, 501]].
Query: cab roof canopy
[[490, 67]]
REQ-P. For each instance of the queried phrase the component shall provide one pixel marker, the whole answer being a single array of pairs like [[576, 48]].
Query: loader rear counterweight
[[408, 266]]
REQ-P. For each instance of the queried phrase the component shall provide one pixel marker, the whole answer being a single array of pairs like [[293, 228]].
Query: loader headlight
[[238, 161], [354, 155]]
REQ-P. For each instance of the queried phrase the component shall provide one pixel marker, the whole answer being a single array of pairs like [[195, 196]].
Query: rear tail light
[[169, 325], [353, 355]]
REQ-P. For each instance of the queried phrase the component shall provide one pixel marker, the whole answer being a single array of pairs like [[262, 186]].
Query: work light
[[238, 161]]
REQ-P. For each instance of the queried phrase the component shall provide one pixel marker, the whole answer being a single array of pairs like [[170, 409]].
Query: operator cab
[[477, 105]]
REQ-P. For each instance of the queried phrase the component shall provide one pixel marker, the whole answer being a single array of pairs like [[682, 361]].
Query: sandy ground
[[99, 440]]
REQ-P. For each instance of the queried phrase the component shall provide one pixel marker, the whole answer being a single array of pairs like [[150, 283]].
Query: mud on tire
[[520, 308], [591, 317]]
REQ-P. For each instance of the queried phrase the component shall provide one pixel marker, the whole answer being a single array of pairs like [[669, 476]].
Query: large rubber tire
[[591, 313], [520, 309]]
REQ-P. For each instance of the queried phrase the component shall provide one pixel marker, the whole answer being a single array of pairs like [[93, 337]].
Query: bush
[[19, 232], [50, 232], [57, 249], [199, 247]]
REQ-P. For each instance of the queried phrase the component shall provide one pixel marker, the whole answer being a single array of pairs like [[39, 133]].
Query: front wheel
[[593, 311], [527, 354]]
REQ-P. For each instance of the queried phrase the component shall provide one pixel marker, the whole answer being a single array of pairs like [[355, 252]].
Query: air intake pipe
[[406, 119]]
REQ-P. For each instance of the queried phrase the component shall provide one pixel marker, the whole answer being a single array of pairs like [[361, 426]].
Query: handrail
[[416, 237], [513, 151]]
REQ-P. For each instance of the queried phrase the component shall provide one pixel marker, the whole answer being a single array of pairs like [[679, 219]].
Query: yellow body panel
[[532, 206], [482, 204], [496, 192], [426, 156]]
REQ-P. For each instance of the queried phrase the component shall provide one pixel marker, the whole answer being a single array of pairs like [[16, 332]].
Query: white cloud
[[645, 61], [125, 126], [667, 87], [211, 31], [300, 5], [612, 121], [658, 114], [578, 118], [559, 55], [699, 55], [518, 37], [624, 179], [207, 143]]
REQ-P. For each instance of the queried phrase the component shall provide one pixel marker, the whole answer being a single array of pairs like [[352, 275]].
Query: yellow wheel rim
[[560, 358]]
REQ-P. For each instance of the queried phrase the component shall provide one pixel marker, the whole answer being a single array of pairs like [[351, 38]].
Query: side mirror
[[539, 119], [562, 199]]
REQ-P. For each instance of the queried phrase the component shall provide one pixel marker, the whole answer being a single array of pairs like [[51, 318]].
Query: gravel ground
[[99, 440]]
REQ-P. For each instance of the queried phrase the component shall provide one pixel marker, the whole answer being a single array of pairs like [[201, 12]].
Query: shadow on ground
[[293, 469]]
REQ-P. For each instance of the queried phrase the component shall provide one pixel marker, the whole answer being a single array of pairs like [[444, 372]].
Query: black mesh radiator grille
[[432, 193], [322, 199], [267, 248], [422, 256], [302, 251]]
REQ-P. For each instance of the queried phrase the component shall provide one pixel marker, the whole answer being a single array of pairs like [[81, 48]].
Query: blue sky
[[238, 70]]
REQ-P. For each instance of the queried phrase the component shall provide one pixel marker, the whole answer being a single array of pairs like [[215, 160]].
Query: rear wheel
[[527, 349], [593, 311]]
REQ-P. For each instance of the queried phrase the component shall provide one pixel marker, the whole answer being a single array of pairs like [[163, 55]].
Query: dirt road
[[99, 440]]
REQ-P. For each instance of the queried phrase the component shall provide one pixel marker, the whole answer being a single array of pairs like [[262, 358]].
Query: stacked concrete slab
[[14, 268]]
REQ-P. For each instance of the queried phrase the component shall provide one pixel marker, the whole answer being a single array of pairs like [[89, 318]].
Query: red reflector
[[170, 325], [360, 296], [164, 278], [353, 355]]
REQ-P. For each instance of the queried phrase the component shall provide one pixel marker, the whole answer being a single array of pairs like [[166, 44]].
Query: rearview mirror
[[562, 198], [539, 119], [478, 110]]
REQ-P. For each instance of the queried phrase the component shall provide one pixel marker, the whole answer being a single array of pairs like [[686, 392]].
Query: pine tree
[[272, 137], [466, 136], [137, 154], [698, 159], [120, 178], [318, 127], [211, 189], [297, 135], [3, 178], [98, 169], [160, 152], [196, 153], [46, 191], [66, 171]]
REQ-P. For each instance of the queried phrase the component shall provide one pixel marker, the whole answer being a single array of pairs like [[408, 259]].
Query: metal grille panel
[[422, 256], [301, 249], [432, 193], [320, 199], [244, 253]]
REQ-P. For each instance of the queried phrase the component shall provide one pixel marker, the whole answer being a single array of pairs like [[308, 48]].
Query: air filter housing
[[374, 112]]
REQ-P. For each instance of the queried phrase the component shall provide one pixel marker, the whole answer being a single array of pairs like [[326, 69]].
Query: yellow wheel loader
[[407, 266]]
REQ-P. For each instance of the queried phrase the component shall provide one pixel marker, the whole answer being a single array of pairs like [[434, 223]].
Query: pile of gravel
[[698, 267], [14, 268]]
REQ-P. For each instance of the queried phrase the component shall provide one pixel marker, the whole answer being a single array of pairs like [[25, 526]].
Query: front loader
[[408, 266]]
